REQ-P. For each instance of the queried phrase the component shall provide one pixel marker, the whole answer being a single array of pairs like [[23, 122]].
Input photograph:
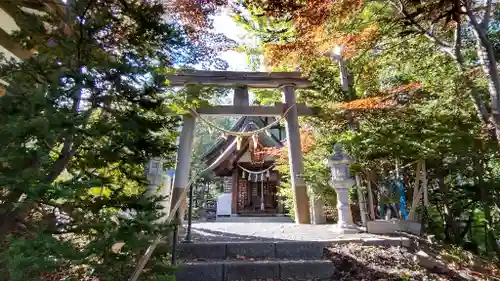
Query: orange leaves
[[272, 151], [282, 54], [360, 40], [405, 88], [307, 142], [367, 103], [312, 20], [193, 13], [377, 102]]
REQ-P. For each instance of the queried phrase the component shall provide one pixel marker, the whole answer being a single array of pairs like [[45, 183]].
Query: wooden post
[[240, 97], [371, 204], [417, 192], [424, 184], [235, 191], [361, 200], [183, 167], [300, 197]]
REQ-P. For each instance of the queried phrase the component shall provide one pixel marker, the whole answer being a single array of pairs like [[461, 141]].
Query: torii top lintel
[[238, 79]]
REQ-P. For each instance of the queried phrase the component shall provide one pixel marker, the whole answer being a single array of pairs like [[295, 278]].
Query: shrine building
[[250, 180]]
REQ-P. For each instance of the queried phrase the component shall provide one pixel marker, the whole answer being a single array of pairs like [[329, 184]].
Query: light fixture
[[337, 50]]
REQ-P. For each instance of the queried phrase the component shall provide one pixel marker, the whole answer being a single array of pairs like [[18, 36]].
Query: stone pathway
[[264, 248], [265, 229]]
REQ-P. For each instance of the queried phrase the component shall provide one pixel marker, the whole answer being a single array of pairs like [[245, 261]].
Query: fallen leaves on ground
[[361, 262]]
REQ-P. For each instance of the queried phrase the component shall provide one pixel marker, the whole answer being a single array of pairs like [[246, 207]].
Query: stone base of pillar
[[317, 211], [346, 229]]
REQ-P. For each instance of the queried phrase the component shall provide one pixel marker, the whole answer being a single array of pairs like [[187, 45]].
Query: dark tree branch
[[444, 46], [467, 226], [458, 42], [487, 14]]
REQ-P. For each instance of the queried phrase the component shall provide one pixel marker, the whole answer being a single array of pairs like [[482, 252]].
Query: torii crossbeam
[[241, 81]]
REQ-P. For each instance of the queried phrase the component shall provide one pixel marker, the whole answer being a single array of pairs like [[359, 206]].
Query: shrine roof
[[246, 123]]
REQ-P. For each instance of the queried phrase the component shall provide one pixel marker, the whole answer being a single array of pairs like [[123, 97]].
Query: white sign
[[224, 204]]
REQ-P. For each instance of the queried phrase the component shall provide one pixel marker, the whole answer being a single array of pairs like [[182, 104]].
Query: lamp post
[[341, 181], [337, 55], [347, 89]]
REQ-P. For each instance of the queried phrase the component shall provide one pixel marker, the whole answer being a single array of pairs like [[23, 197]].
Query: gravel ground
[[358, 262]]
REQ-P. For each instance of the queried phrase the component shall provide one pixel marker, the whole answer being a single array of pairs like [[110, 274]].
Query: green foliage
[[435, 121], [80, 120]]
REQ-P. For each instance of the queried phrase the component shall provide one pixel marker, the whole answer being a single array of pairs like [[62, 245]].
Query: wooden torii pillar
[[288, 81]]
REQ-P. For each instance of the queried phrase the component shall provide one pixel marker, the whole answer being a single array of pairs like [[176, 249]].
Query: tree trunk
[[451, 227], [491, 243], [485, 52], [490, 236]]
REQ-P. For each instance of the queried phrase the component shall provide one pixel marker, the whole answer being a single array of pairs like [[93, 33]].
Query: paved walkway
[[265, 229]]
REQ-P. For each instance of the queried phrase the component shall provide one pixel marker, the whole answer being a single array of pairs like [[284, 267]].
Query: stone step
[[252, 270], [305, 250], [257, 250]]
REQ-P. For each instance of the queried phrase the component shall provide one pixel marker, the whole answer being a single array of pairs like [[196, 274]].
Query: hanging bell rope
[[239, 141], [255, 141], [241, 134]]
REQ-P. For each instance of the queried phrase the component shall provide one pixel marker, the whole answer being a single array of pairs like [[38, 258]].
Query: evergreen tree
[[81, 117]]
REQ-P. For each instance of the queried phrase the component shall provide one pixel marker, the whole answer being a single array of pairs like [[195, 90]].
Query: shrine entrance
[[230, 157], [257, 193], [248, 174]]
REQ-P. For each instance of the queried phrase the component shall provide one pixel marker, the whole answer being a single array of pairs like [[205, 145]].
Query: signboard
[[228, 185], [224, 204]]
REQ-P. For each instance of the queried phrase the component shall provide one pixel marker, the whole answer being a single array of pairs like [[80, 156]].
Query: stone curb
[[279, 249], [257, 250]]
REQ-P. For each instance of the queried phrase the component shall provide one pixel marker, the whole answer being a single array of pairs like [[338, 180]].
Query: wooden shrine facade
[[247, 173]]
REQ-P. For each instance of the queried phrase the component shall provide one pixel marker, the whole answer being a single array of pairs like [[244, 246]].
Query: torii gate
[[241, 81]]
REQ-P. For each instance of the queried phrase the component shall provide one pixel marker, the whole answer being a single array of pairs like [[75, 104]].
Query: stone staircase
[[253, 260]]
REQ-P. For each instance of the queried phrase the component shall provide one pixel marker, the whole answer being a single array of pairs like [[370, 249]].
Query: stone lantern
[[341, 181], [154, 174]]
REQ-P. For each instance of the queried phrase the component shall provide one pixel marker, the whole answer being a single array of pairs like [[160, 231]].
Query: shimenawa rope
[[256, 172], [240, 134]]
